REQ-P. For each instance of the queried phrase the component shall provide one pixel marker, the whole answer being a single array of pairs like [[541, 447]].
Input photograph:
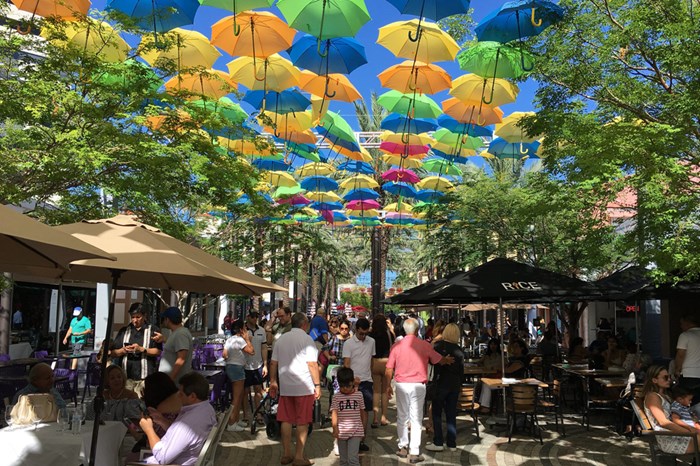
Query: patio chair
[[605, 402], [650, 435], [552, 403], [41, 354], [92, 378], [467, 402], [68, 387], [522, 401]]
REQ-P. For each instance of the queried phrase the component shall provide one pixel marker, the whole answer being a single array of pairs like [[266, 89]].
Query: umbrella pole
[[98, 403], [59, 309], [503, 352], [636, 328]]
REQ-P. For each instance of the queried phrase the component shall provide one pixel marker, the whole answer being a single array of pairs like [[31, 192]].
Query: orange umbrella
[[472, 112], [292, 135], [257, 148], [362, 156], [334, 86], [417, 76], [66, 9], [261, 34], [209, 83]]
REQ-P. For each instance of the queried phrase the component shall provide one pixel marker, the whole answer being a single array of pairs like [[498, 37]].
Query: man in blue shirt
[[318, 330], [40, 381]]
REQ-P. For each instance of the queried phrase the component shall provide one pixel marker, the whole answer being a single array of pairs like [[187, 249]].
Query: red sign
[[631, 308]]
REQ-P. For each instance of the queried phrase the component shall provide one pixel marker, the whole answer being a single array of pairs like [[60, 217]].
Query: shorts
[[297, 410], [367, 390], [253, 377], [77, 346], [235, 372]]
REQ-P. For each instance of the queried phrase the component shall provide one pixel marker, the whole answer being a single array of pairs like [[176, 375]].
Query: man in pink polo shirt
[[408, 362]]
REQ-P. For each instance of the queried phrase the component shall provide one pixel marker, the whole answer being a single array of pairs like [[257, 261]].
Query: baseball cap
[[77, 311], [172, 313]]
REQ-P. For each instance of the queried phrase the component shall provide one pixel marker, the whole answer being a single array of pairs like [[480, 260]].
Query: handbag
[[37, 407]]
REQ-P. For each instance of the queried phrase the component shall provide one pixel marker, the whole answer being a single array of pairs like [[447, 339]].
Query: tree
[[618, 103]]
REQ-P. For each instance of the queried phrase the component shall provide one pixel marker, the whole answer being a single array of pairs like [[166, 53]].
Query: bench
[[649, 435]]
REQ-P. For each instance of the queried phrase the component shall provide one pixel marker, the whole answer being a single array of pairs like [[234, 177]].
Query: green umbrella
[[337, 126], [299, 151], [462, 141], [284, 191], [413, 105], [237, 6], [325, 19], [225, 107], [129, 75], [441, 166]]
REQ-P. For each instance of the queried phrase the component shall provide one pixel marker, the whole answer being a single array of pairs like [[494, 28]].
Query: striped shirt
[[349, 408]]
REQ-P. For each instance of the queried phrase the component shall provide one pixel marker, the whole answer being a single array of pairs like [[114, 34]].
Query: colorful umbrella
[[405, 149], [453, 150], [433, 9], [337, 219], [128, 75], [206, 83], [270, 165], [367, 213], [56, 8], [189, 49], [91, 36], [315, 169], [259, 34], [518, 19], [237, 6], [334, 124], [401, 124], [321, 196], [228, 109], [452, 158], [359, 181], [356, 167], [363, 205], [288, 122], [279, 178], [398, 218], [472, 87], [361, 194], [432, 44], [325, 19], [274, 73], [441, 166], [306, 137], [284, 191], [331, 86], [399, 189], [296, 200], [502, 149], [469, 128], [417, 76], [459, 141], [436, 183], [403, 162], [495, 60], [365, 222], [283, 102], [472, 112], [338, 55], [157, 15], [326, 206], [406, 138], [429, 196], [511, 131], [319, 183], [255, 148], [361, 156], [412, 105], [400, 174], [402, 207]]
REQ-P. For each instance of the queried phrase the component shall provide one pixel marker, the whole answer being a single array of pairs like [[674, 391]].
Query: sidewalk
[[599, 446]]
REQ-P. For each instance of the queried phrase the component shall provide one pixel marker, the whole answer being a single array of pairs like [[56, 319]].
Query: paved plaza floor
[[598, 446]]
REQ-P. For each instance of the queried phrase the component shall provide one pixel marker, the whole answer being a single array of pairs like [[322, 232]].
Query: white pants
[[409, 408]]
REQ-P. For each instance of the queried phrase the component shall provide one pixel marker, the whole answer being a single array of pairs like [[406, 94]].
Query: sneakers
[[452, 448], [402, 453], [413, 459], [433, 447], [364, 446], [235, 428], [336, 452]]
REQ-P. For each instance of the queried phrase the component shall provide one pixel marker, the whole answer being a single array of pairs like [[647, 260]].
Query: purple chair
[[68, 388], [4, 357]]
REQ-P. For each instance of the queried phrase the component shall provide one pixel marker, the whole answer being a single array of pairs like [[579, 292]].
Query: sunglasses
[[344, 328]]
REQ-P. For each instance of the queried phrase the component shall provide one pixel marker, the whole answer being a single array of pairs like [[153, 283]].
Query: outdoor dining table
[[47, 446], [215, 365], [505, 382], [614, 382]]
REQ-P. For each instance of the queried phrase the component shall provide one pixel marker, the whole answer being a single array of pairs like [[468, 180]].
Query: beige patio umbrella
[[28, 244]]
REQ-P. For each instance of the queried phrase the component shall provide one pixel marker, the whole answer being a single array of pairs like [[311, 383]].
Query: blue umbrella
[[429, 196], [455, 126], [326, 205], [400, 124], [245, 199], [319, 183], [338, 141], [283, 102], [339, 55], [399, 189], [361, 194], [449, 157], [272, 165], [356, 166], [157, 15], [433, 9], [518, 19], [503, 149]]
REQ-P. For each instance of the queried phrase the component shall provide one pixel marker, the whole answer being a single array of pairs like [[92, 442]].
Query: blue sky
[[365, 77]]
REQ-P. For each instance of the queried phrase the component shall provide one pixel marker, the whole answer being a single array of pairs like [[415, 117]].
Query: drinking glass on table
[[63, 420], [8, 415]]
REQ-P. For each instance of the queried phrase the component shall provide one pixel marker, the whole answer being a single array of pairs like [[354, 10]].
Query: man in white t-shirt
[[357, 355], [255, 364], [688, 354], [294, 374], [176, 358]]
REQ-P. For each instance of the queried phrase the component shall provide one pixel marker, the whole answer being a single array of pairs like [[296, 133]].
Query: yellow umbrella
[[472, 87], [362, 213], [474, 112], [433, 44], [259, 148], [274, 73], [209, 83], [435, 182], [315, 169], [334, 86], [93, 36], [417, 76], [293, 121], [399, 161], [319, 107], [261, 34], [164, 121], [68, 10], [362, 156], [406, 138], [189, 49], [359, 181], [329, 196], [404, 208], [280, 179], [298, 137], [512, 132], [454, 150]]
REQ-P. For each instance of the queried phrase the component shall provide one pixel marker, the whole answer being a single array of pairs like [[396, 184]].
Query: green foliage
[[460, 27], [356, 298]]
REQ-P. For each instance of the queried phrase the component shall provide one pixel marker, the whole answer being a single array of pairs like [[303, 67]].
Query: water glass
[[64, 420], [8, 415]]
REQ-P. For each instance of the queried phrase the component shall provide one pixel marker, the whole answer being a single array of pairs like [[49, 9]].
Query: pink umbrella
[[295, 200], [396, 148], [362, 205], [401, 174]]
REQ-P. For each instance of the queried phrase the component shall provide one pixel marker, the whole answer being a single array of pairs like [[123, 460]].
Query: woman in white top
[[657, 407], [235, 346]]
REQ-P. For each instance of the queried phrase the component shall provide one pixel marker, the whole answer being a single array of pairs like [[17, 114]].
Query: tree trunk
[[259, 262], [571, 317]]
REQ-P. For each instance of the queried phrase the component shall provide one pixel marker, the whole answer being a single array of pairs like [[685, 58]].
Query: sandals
[[374, 425], [287, 460]]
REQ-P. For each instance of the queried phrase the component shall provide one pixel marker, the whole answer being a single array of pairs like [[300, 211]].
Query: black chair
[[67, 383], [92, 378]]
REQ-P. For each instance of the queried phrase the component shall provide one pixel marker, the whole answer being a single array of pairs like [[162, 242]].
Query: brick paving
[[599, 446]]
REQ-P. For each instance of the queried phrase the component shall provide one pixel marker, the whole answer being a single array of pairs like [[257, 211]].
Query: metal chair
[[92, 378], [68, 387], [522, 401]]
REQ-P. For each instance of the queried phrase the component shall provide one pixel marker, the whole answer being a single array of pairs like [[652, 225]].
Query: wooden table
[[615, 382], [498, 383]]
